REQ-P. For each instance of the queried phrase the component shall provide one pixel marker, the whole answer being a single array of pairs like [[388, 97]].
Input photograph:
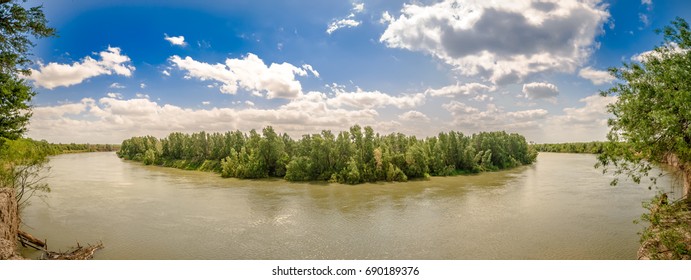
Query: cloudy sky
[[127, 68]]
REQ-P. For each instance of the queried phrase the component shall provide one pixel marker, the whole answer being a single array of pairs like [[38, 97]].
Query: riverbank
[[668, 237], [9, 225]]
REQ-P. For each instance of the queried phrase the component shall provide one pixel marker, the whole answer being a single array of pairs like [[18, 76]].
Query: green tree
[[17, 25], [652, 113], [23, 162], [299, 169], [15, 111]]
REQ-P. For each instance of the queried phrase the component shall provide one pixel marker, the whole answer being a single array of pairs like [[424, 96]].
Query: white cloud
[[386, 18], [649, 3], [114, 95], [55, 75], [249, 73], [347, 22], [116, 85], [586, 123], [309, 68], [597, 77], [142, 85], [358, 7], [249, 103], [464, 89], [540, 91], [175, 40], [483, 97], [375, 99], [341, 23], [471, 119], [503, 41], [165, 72], [593, 112], [142, 95], [110, 120], [413, 116]]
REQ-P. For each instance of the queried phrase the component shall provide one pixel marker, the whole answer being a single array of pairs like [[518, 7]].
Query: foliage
[[17, 25], [14, 109], [24, 163], [652, 113], [354, 156], [595, 147], [669, 233], [82, 148]]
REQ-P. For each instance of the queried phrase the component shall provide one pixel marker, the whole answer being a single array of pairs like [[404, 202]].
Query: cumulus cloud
[[413, 116], [347, 22], [374, 99], [503, 41], [249, 73], [53, 75], [110, 120], [585, 123], [597, 77], [540, 91], [461, 89], [593, 112], [175, 40], [471, 119]]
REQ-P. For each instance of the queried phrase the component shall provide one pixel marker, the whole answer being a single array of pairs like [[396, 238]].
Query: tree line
[[81, 148], [595, 147], [354, 156]]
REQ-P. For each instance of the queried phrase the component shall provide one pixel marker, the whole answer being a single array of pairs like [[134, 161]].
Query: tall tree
[[17, 26], [652, 113]]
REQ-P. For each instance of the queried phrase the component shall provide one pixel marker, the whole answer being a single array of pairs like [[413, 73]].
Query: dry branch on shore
[[79, 253]]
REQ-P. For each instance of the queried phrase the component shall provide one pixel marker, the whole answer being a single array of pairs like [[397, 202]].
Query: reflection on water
[[559, 208]]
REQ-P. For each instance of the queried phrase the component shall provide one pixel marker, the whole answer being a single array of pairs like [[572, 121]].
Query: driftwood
[[79, 253], [26, 239]]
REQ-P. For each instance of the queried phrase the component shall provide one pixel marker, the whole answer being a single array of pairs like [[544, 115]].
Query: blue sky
[[125, 68]]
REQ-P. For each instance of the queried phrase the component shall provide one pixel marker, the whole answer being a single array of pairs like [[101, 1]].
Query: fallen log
[[25, 237]]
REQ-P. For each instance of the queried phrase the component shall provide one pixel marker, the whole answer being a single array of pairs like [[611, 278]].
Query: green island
[[355, 156]]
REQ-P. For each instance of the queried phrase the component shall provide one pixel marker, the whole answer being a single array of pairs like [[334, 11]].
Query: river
[[558, 208]]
